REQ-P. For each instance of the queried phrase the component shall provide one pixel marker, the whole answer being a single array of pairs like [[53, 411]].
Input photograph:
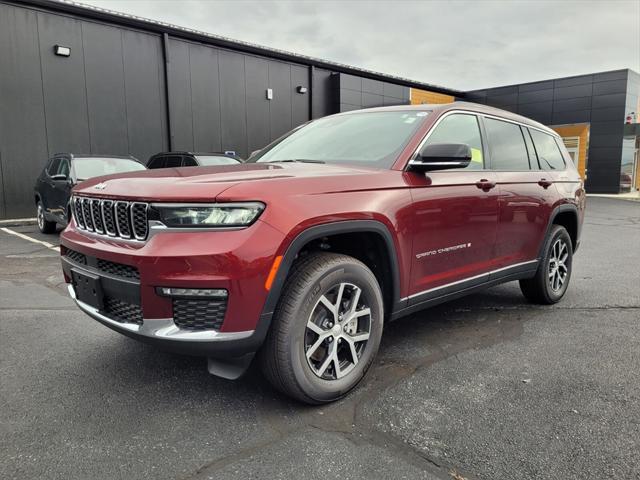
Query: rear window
[[209, 160], [548, 151], [508, 150], [96, 166]]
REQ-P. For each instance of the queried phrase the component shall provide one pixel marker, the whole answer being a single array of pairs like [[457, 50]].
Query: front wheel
[[326, 329], [554, 271], [44, 225]]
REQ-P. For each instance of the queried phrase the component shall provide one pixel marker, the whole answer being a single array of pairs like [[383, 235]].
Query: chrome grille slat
[[78, 213], [118, 219], [123, 222], [96, 216], [86, 213], [109, 218], [139, 223]]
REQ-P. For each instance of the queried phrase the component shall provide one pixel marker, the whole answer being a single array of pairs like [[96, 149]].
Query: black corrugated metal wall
[[129, 91], [107, 97]]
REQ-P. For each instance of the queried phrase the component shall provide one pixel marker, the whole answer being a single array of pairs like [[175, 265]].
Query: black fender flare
[[327, 229], [565, 207]]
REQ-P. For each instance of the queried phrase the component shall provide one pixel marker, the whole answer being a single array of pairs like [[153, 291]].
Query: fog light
[[192, 292]]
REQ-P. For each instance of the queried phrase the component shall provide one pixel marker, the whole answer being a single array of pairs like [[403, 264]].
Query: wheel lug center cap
[[336, 330]]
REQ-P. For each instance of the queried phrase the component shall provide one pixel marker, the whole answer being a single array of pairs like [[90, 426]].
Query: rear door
[[454, 216], [525, 194]]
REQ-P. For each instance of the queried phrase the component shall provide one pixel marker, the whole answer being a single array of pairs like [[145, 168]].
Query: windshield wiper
[[301, 160]]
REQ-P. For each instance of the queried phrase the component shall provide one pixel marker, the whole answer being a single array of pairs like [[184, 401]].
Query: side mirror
[[58, 178], [441, 156]]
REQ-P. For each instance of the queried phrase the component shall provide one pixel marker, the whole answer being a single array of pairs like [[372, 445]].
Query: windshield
[[208, 160], [368, 138], [94, 167]]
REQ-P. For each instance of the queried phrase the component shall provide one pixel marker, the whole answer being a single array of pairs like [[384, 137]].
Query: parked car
[[61, 173], [305, 254], [191, 159]]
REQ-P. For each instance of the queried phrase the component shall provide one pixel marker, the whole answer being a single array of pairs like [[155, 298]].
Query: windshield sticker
[[410, 120], [421, 114]]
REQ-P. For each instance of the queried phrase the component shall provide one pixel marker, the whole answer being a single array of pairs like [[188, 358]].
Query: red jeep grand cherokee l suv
[[303, 253]]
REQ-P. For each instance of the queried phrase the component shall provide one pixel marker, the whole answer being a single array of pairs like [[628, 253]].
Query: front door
[[454, 216], [61, 190]]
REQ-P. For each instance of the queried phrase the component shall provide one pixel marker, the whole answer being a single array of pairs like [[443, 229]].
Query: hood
[[207, 183]]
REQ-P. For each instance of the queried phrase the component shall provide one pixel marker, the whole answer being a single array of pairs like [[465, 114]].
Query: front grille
[[127, 220], [199, 314], [122, 311], [74, 256], [118, 269]]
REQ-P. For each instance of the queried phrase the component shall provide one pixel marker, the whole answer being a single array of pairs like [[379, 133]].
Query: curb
[[18, 222]]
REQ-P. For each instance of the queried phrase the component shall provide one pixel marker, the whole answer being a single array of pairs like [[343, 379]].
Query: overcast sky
[[458, 44]]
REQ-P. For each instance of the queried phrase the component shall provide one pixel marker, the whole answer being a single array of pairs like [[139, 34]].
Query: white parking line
[[28, 238]]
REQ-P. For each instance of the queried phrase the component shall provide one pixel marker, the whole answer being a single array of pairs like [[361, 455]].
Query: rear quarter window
[[549, 153]]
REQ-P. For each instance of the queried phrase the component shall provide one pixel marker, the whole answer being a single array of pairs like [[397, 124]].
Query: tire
[[309, 351], [44, 225], [549, 285]]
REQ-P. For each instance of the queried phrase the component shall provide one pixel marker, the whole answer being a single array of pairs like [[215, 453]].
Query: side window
[[53, 167], [548, 151], [173, 161], [460, 128], [157, 162], [508, 151], [64, 167], [533, 159], [188, 162]]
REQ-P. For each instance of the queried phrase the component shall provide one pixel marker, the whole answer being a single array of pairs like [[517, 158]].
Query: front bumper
[[233, 261]]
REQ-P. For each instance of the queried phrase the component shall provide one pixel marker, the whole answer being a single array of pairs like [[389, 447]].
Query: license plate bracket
[[88, 288]]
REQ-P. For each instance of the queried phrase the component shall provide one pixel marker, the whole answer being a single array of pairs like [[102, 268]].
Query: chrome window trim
[[414, 155], [491, 272]]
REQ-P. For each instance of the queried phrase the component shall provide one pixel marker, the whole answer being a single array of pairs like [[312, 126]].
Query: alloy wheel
[[558, 268], [40, 217], [337, 331]]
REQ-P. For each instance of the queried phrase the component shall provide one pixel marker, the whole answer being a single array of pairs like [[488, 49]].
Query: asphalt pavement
[[485, 387]]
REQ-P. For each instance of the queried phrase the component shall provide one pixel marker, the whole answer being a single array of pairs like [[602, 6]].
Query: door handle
[[485, 184], [543, 182]]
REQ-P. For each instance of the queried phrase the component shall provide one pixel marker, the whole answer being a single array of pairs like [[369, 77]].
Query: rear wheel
[[554, 272], [44, 225], [326, 329]]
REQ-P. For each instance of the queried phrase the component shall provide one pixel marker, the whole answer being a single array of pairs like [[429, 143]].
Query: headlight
[[208, 215]]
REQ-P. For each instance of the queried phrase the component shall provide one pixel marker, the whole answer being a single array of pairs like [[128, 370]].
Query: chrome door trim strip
[[468, 279]]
